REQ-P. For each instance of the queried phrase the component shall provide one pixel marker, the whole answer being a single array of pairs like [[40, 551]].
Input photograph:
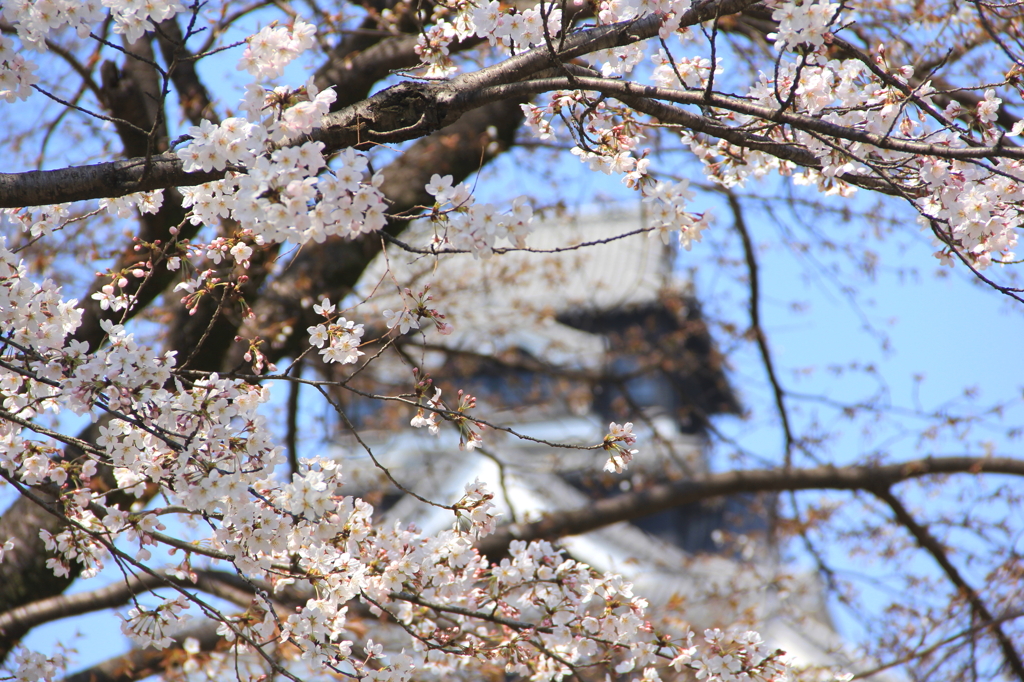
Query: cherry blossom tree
[[225, 175]]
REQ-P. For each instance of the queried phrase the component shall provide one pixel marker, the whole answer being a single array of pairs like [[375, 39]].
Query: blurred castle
[[557, 344]]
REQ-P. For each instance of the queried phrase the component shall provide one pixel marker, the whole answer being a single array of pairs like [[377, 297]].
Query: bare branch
[[930, 544]]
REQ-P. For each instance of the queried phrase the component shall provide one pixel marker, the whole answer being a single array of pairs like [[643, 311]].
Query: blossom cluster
[[282, 198], [973, 210], [517, 30], [215, 146], [31, 666], [126, 372], [417, 307], [612, 134], [342, 337], [463, 224], [290, 198], [803, 23], [285, 113], [667, 212], [270, 50], [621, 60], [38, 220], [17, 74], [688, 72], [617, 137], [432, 47], [125, 207], [617, 442], [434, 409], [280, 193], [132, 18], [428, 417], [35, 19], [153, 627], [507, 28], [969, 207], [33, 315], [205, 432], [68, 546]]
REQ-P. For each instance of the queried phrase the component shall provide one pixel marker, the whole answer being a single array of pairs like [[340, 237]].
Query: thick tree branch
[[24, 618], [96, 181], [403, 112], [411, 110], [133, 93], [354, 72], [663, 496], [629, 92]]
